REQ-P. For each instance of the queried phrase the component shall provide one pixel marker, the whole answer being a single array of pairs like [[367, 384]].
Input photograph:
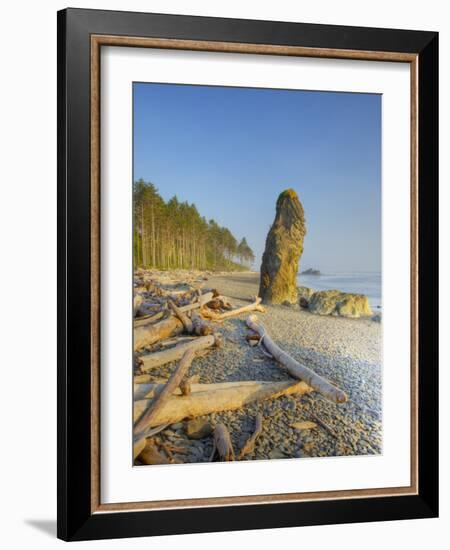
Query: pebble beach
[[347, 352]]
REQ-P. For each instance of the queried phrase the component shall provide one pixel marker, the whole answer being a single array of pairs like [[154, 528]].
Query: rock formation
[[284, 247], [311, 271], [304, 295], [335, 302]]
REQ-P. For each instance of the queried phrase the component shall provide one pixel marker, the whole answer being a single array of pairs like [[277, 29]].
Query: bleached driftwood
[[147, 309], [205, 298], [174, 340], [139, 289], [222, 444], [141, 441], [158, 358], [137, 301], [149, 319], [139, 379], [249, 445], [324, 425], [139, 446], [145, 387], [149, 334], [200, 301], [187, 323], [200, 326], [219, 302], [158, 404], [295, 369], [186, 384], [255, 306], [209, 398], [151, 455]]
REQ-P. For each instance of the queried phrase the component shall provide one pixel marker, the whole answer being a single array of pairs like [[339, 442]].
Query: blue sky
[[231, 151]]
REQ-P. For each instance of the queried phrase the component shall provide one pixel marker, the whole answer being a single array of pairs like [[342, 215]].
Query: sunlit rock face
[[284, 247]]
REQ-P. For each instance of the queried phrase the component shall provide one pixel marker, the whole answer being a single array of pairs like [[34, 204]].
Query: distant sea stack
[[311, 271], [284, 247]]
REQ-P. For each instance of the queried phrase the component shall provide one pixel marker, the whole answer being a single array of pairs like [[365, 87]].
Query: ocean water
[[358, 283]]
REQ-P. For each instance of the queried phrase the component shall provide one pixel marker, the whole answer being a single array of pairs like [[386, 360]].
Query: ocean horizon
[[368, 283]]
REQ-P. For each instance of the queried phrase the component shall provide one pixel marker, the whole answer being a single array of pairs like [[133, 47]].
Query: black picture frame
[[75, 518]]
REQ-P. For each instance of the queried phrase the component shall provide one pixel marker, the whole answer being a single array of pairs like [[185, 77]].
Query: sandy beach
[[345, 351]]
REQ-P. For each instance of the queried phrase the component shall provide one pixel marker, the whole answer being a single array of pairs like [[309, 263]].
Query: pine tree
[[174, 235]]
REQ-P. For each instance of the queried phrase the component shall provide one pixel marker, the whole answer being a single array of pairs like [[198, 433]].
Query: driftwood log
[[151, 455], [158, 358], [201, 300], [187, 323], [147, 418], [249, 445], [150, 432], [137, 301], [146, 310], [186, 384], [255, 306], [200, 326], [142, 379], [146, 387], [148, 319], [222, 444], [147, 335], [219, 302], [324, 425], [295, 369], [175, 340], [139, 446], [209, 398]]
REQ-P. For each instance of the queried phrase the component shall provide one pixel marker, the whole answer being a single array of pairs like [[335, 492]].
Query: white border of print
[[120, 481]]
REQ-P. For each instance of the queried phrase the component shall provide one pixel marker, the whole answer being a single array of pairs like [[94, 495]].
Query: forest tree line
[[173, 235]]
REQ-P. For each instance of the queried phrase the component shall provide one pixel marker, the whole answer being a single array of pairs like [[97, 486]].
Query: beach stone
[[275, 453], [303, 302], [177, 426], [284, 247], [344, 304], [198, 428]]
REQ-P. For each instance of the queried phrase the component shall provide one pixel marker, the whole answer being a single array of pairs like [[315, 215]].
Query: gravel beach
[[345, 351]]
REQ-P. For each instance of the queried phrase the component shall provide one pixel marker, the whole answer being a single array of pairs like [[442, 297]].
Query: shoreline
[[345, 351]]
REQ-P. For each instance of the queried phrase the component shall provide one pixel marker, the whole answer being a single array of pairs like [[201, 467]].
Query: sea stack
[[284, 247]]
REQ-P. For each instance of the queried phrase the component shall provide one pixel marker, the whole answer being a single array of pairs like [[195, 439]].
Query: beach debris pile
[[177, 323]]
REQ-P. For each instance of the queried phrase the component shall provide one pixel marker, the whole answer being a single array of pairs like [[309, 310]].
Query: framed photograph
[[247, 260]]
